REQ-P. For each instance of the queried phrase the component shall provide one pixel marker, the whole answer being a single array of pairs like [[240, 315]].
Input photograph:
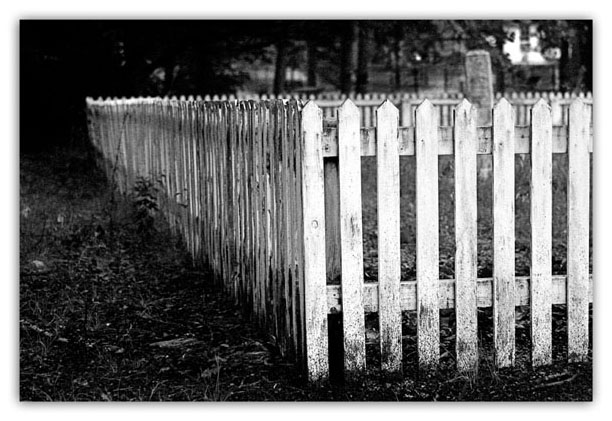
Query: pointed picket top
[[465, 109], [425, 106], [387, 107], [464, 105], [541, 106], [502, 104], [347, 108], [311, 111]]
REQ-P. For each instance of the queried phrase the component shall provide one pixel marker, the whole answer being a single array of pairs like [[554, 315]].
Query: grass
[[112, 309]]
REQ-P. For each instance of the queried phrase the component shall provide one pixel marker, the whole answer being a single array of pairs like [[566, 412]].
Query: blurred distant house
[[532, 69]]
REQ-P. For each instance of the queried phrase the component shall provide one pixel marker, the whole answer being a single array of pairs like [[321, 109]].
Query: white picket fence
[[247, 185]]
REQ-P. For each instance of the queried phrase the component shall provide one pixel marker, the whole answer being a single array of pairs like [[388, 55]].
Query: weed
[[145, 204]]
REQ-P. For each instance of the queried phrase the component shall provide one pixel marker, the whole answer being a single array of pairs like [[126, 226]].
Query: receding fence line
[[264, 194]]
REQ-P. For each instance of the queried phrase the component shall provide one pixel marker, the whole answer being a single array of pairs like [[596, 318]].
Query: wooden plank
[[351, 238], [290, 248], [332, 219], [261, 212], [256, 206], [314, 244], [503, 233], [522, 136], [541, 234], [389, 264], [298, 220], [578, 233], [446, 294], [267, 286], [427, 248], [466, 236]]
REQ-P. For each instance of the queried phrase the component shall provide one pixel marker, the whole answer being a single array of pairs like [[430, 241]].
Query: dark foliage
[[62, 62]]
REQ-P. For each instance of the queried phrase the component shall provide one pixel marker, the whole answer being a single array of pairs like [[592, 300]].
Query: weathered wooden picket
[[268, 195]]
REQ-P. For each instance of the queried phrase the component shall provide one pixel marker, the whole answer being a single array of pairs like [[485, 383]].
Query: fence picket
[[503, 233], [351, 239], [466, 145], [389, 264], [578, 232], [427, 253], [541, 234], [314, 243]]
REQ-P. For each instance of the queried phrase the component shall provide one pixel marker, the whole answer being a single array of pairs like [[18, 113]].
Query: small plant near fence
[[268, 195], [145, 203]]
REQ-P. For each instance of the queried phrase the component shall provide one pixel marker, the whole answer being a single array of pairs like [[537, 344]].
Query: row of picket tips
[[587, 98], [304, 98], [546, 95]]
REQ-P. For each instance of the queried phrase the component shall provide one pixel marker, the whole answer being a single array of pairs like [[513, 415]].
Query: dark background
[[62, 62]]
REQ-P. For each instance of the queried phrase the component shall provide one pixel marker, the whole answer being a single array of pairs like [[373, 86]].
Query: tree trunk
[[563, 65], [312, 63], [397, 70], [347, 57], [281, 66], [363, 57]]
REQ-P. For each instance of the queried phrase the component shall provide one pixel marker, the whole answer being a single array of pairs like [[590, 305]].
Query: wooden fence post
[[389, 264], [503, 233], [351, 238], [427, 240], [541, 234], [466, 236], [315, 293], [578, 232]]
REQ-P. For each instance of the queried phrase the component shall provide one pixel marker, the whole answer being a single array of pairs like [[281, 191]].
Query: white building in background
[[527, 49], [532, 67]]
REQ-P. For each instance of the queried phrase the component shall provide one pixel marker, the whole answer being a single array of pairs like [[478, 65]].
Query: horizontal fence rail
[[268, 195]]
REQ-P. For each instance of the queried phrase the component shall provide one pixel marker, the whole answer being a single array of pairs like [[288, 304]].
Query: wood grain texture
[[541, 234], [503, 234], [578, 233], [351, 238], [427, 240], [389, 264], [466, 235], [314, 244]]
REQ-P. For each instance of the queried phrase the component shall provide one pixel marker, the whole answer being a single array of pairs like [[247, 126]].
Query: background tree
[[574, 38]]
